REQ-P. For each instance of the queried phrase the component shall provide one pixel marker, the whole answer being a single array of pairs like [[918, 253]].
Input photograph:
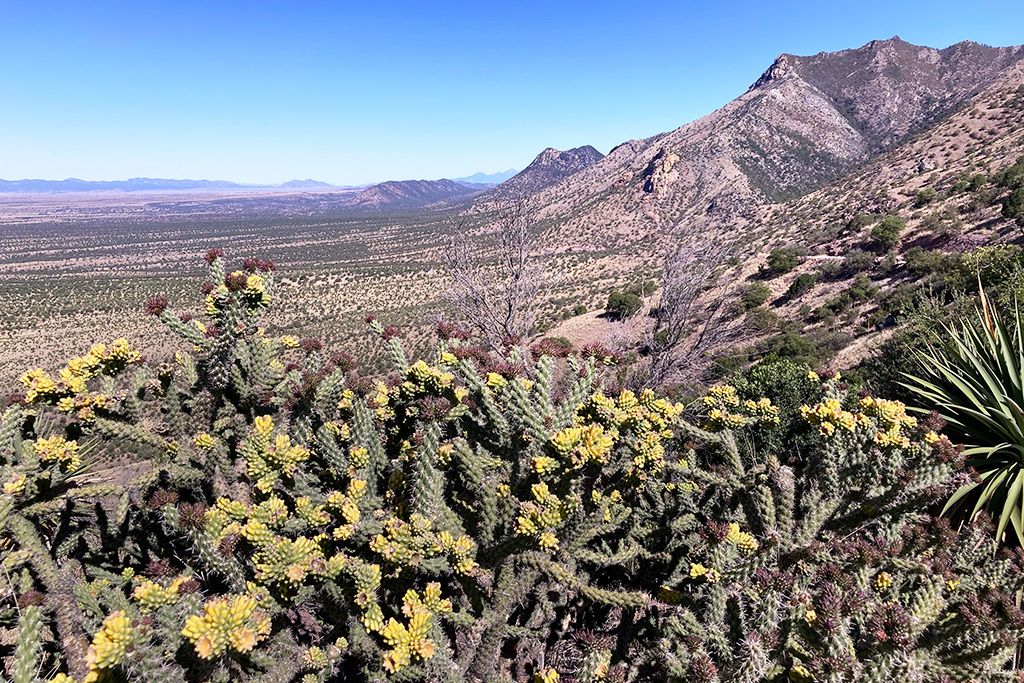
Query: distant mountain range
[[151, 184], [487, 178]]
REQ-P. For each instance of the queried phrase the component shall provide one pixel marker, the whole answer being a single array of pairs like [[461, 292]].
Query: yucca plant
[[974, 379]]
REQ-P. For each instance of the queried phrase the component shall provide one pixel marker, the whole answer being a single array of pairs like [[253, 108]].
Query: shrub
[[754, 295], [859, 221], [857, 261], [925, 195], [801, 285], [579, 310], [920, 261], [623, 304], [784, 259], [1013, 207], [886, 234], [762, 319]]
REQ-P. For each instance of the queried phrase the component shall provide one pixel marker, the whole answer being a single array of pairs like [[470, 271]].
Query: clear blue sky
[[354, 92]]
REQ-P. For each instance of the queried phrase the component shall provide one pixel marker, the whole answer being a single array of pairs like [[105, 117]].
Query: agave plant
[[974, 379]]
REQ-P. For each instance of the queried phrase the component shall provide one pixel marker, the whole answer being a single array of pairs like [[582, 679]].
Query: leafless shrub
[[691, 325], [497, 294]]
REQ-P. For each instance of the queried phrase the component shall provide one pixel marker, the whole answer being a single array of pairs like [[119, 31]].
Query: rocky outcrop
[[659, 174]]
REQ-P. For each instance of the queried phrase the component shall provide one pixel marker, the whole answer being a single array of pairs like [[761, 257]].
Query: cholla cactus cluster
[[254, 510]]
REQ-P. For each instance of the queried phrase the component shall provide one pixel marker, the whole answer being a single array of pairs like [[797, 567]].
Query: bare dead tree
[[498, 294], [691, 325]]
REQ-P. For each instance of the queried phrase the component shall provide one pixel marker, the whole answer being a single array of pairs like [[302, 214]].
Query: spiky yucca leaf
[[975, 381]]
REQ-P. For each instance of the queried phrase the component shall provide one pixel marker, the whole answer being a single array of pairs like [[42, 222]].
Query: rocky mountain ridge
[[548, 168], [410, 194], [804, 123]]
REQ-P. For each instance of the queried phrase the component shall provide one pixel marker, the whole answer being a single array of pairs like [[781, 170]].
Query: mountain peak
[[549, 167]]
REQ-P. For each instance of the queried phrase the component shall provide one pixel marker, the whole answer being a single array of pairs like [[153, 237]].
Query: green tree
[[886, 234], [754, 295], [803, 284], [1013, 207], [926, 195], [784, 259], [623, 304]]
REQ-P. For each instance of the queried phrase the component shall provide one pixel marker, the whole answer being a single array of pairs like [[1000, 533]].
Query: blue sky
[[360, 92]]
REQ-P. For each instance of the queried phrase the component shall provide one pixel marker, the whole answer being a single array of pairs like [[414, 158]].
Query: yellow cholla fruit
[[882, 582], [546, 676], [723, 394], [56, 448], [15, 485], [315, 658], [233, 622], [543, 465], [264, 425], [111, 643], [408, 642], [204, 441], [697, 570], [151, 595], [359, 457], [289, 341], [740, 539], [547, 541]]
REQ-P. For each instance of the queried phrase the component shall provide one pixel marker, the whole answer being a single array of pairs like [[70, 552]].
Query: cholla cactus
[[295, 522]]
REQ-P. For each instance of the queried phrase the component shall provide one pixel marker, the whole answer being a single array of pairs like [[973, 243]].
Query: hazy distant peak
[[487, 178]]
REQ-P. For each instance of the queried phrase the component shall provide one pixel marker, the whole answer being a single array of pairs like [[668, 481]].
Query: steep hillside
[[806, 122], [411, 194], [548, 168]]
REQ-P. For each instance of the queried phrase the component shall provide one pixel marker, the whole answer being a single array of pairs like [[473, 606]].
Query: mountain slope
[[548, 168], [410, 194], [804, 123]]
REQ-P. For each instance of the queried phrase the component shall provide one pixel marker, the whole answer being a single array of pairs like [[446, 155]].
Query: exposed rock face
[[411, 194], [548, 168], [659, 176], [804, 123]]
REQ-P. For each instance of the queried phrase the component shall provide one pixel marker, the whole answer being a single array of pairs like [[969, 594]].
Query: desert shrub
[[801, 285], [861, 289], [754, 295], [977, 181], [857, 261], [921, 261], [784, 259], [476, 517], [926, 195], [1013, 207], [1011, 177], [623, 304], [859, 222], [762, 319], [579, 310], [886, 234]]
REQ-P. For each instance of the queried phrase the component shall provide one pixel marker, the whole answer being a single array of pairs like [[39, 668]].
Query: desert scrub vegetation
[[253, 509]]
